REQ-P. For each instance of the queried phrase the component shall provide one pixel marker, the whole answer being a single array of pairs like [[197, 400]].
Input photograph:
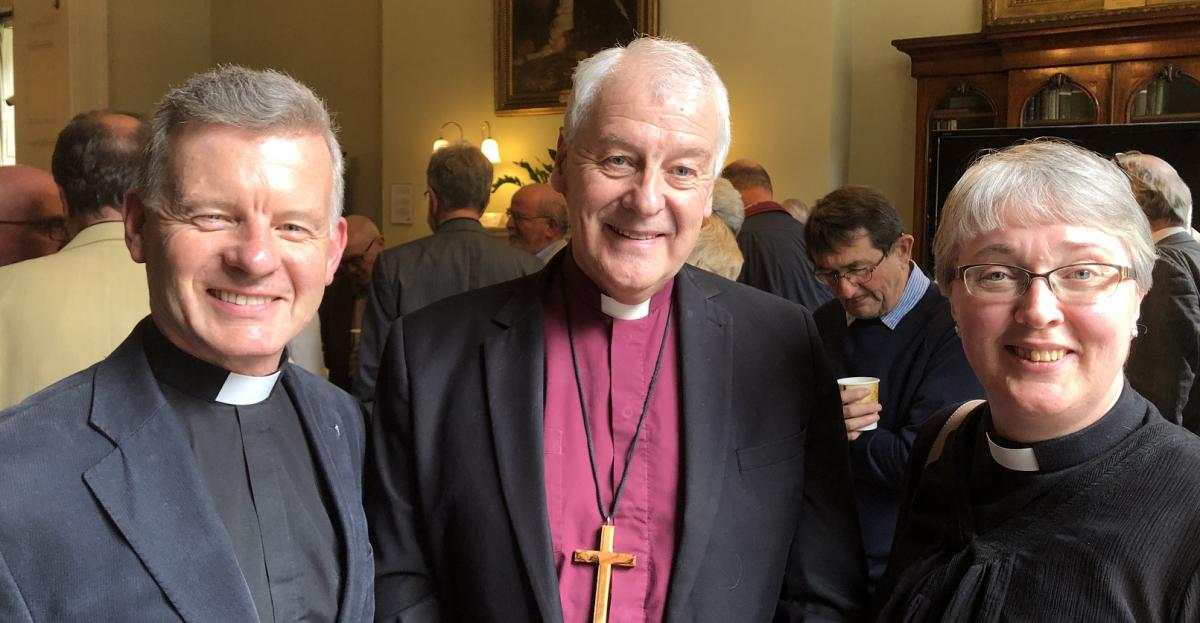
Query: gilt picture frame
[[1016, 14], [539, 42]]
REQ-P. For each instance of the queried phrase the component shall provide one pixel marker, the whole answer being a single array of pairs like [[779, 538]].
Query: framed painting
[[1029, 13], [539, 42]]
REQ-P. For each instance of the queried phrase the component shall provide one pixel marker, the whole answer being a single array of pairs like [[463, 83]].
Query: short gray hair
[[674, 67], [461, 176], [727, 204], [1041, 182], [260, 100]]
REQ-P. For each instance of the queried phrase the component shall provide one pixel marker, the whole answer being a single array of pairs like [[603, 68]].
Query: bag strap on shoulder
[[956, 420]]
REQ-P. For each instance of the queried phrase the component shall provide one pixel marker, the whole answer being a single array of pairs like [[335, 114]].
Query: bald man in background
[[345, 299], [32, 223], [537, 220]]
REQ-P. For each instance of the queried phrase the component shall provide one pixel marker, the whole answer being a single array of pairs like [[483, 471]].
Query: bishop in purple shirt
[[619, 436]]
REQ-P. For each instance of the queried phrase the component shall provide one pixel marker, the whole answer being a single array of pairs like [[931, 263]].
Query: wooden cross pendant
[[604, 559]]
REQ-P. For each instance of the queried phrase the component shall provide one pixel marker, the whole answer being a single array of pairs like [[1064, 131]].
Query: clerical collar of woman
[[201, 379], [1069, 450], [580, 287]]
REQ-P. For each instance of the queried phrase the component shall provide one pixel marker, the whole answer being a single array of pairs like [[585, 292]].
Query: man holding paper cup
[[890, 338]]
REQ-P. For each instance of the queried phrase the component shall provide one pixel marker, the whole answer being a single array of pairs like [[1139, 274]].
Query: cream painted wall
[[333, 47], [153, 45], [787, 96], [883, 92], [437, 67]]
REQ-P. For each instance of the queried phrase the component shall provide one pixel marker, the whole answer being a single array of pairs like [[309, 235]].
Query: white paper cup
[[855, 382]]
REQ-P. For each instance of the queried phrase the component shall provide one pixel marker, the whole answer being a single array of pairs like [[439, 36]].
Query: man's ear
[[903, 247], [558, 176], [135, 225], [337, 245]]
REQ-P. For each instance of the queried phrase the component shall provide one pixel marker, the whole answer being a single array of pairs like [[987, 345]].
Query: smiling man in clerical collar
[[619, 436], [195, 474]]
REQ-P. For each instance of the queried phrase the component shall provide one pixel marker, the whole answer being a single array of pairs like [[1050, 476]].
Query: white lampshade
[[440, 143], [491, 149]]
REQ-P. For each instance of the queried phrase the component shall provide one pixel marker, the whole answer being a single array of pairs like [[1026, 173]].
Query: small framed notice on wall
[[400, 204]]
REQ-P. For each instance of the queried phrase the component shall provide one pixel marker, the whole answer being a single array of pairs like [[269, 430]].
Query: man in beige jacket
[[63, 312]]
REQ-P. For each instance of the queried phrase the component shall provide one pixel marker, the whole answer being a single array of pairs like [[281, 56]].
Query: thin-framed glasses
[[1082, 283], [855, 276], [521, 217], [359, 261], [54, 228]]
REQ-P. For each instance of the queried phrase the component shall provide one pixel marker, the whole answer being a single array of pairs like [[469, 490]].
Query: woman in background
[[1066, 496]]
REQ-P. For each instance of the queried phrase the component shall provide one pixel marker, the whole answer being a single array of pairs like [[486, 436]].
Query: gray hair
[[674, 67], [259, 100], [727, 204], [461, 176], [1041, 182], [1162, 193]]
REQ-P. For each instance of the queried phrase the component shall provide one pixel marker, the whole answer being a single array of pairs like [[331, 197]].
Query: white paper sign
[[401, 203]]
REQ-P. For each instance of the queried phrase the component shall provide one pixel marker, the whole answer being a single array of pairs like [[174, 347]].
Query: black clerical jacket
[[104, 517], [455, 485]]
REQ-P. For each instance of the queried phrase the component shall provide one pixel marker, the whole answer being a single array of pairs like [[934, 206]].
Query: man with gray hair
[[459, 256], [194, 474], [618, 435], [63, 312], [1165, 360]]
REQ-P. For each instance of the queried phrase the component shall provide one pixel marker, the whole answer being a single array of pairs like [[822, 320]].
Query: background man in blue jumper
[[888, 321]]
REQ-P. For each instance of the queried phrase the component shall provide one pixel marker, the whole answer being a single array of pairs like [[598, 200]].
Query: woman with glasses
[[1065, 496]]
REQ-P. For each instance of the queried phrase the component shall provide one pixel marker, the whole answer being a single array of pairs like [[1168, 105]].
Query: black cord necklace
[[607, 516]]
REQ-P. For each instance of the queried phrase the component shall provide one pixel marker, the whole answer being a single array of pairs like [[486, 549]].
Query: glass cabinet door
[[1171, 96], [964, 107], [1060, 101]]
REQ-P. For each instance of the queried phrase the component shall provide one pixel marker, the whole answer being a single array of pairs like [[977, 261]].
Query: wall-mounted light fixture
[[489, 146], [442, 142]]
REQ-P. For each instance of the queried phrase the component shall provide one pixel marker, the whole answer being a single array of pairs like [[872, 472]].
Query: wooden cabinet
[[1133, 71]]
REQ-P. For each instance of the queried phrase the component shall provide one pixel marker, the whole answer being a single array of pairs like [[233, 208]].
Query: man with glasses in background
[[31, 215], [345, 300], [63, 312], [889, 322], [537, 220]]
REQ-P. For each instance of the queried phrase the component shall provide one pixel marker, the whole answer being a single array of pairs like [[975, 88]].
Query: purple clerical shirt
[[616, 360]]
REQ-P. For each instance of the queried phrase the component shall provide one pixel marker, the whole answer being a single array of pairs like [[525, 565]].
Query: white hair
[[672, 67]]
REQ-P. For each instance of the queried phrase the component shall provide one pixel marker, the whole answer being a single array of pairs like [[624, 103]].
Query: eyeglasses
[[1074, 284], [358, 261], [521, 217], [854, 277], [54, 228]]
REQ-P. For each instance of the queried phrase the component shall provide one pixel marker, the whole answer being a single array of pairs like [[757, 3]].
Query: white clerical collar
[[1016, 459], [240, 389], [616, 309]]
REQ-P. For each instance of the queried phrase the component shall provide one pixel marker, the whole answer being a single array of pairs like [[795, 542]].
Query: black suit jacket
[[104, 517], [459, 256], [776, 259], [455, 479], [1165, 359]]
